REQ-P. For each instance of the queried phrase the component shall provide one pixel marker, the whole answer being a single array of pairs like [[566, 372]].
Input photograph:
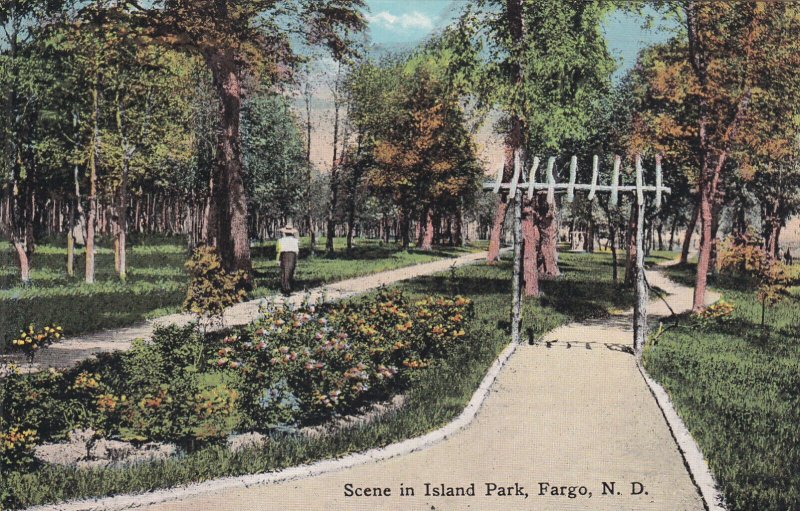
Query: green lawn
[[738, 391], [156, 282], [437, 396]]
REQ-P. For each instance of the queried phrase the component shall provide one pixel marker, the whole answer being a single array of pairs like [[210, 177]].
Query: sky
[[396, 25], [399, 24]]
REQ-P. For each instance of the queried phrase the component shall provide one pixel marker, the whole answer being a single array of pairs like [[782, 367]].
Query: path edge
[[464, 419], [693, 458]]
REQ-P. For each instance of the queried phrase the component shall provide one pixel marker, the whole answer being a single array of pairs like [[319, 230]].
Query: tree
[[234, 38], [20, 20], [274, 159], [547, 82], [735, 52], [424, 159]]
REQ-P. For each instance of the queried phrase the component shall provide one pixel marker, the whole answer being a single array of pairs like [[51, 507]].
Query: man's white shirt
[[288, 244]]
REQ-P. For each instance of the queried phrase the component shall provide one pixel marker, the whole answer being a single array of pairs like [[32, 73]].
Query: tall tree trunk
[[630, 251], [405, 228], [334, 184], [355, 179], [122, 222], [548, 238], [687, 238], [704, 258], [91, 217], [427, 230], [230, 197], [309, 198], [672, 230], [530, 235]]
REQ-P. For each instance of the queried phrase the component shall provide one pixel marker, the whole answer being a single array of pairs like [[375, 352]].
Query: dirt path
[[571, 411], [75, 349]]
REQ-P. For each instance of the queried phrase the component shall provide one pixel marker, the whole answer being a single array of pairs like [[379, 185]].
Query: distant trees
[[412, 145], [123, 116]]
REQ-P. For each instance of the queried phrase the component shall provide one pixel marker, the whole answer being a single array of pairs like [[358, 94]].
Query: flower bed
[[290, 368]]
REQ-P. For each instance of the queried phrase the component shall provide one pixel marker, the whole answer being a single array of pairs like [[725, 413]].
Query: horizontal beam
[[565, 186]]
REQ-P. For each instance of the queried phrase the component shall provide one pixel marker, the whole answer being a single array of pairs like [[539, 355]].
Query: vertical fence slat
[[573, 174], [532, 176], [595, 172]]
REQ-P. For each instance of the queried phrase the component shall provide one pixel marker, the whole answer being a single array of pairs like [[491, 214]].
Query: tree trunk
[[548, 242], [23, 262], [672, 232], [230, 198], [530, 271], [630, 251], [122, 223], [704, 258], [309, 198], [687, 238], [405, 229], [427, 231], [91, 218]]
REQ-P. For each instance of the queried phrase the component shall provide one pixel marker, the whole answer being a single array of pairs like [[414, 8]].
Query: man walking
[[288, 250]]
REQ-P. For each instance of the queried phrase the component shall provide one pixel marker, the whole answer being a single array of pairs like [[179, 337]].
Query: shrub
[[307, 364], [211, 288], [711, 316], [169, 396], [30, 341], [16, 448], [34, 401]]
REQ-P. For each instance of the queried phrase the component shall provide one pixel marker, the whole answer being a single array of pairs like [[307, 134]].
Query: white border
[[692, 456]]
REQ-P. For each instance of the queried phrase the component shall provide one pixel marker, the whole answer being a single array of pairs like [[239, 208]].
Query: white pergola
[[519, 186]]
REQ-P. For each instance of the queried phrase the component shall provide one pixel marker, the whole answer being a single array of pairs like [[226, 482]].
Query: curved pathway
[[75, 349], [571, 411]]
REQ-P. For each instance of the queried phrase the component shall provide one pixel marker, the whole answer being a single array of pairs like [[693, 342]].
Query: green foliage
[[737, 391], [211, 289], [564, 59], [307, 364], [745, 259], [436, 395], [156, 282], [16, 448], [274, 157]]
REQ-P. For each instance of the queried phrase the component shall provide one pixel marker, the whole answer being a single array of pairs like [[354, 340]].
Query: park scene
[[383, 254]]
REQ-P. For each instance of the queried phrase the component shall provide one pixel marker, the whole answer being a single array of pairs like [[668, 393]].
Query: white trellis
[[518, 186]]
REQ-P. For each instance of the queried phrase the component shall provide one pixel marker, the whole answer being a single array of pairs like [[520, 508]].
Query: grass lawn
[[156, 283], [437, 396], [738, 391]]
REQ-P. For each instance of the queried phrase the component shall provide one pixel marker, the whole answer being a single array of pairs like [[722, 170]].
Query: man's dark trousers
[[288, 263]]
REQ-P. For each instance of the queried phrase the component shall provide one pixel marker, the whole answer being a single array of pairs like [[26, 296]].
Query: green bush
[[304, 365], [16, 448], [211, 288]]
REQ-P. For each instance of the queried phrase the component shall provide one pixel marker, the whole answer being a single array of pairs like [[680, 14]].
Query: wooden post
[[642, 295], [532, 177], [595, 172], [551, 181], [613, 201], [516, 288]]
